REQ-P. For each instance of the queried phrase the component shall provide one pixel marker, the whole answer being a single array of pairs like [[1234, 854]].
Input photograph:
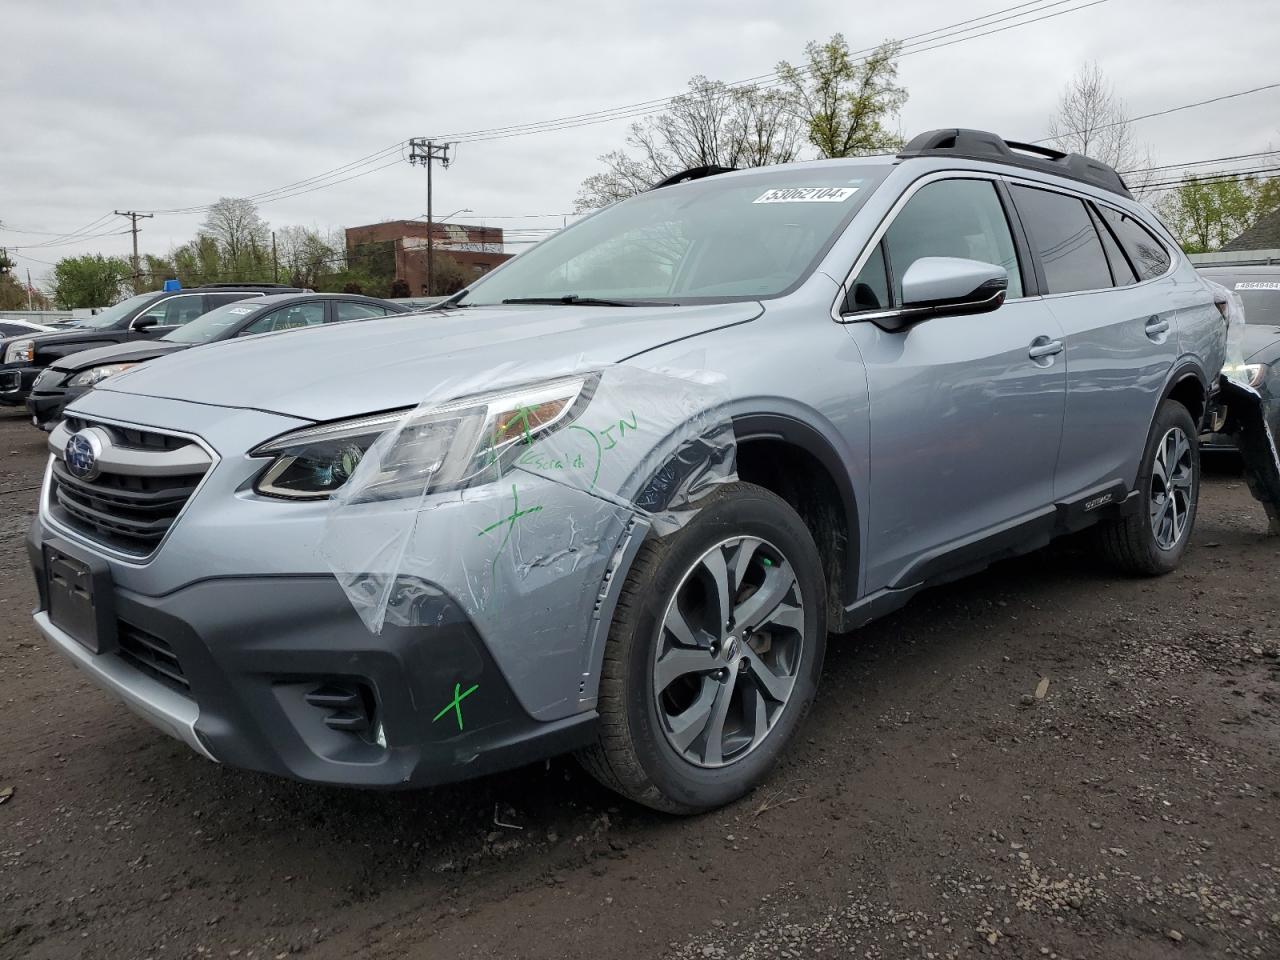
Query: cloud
[[150, 105]]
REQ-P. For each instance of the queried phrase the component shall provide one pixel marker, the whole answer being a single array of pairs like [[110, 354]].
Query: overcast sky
[[151, 105]]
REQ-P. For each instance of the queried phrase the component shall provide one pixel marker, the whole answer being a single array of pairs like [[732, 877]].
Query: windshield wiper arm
[[572, 299]]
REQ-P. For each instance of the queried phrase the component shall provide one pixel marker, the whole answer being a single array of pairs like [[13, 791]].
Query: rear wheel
[[1152, 539], [713, 656]]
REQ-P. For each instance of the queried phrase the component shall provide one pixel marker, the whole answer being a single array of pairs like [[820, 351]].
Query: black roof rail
[[693, 173], [982, 145]]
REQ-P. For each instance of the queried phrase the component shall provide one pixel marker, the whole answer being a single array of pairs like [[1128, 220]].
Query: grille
[[128, 511], [152, 655]]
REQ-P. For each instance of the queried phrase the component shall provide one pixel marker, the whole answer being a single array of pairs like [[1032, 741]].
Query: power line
[[652, 106], [1165, 112], [915, 43], [1211, 178], [765, 80], [1198, 163]]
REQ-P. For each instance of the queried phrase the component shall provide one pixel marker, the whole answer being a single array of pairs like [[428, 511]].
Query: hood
[[117, 353], [1261, 342], [58, 336], [347, 369]]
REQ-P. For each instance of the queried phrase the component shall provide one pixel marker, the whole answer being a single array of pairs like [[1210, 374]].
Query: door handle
[[1156, 326], [1043, 347]]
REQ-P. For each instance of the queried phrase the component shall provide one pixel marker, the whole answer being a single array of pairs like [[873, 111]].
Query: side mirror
[[938, 286], [146, 323]]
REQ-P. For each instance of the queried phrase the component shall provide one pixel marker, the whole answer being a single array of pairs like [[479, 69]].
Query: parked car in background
[[146, 316], [18, 328], [67, 378], [922, 364], [1259, 290]]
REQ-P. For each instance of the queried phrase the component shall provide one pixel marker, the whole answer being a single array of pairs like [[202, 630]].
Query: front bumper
[[46, 406], [15, 382], [249, 651]]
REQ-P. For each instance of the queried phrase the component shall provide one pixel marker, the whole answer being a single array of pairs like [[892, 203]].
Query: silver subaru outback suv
[[613, 497]]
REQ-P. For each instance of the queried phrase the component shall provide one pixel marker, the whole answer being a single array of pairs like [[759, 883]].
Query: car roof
[[276, 299]]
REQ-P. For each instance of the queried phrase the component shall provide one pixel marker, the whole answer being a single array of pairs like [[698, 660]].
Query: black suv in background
[[142, 317], [1258, 288], [68, 378]]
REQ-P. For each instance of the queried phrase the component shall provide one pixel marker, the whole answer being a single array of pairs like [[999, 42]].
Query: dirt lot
[[933, 807]]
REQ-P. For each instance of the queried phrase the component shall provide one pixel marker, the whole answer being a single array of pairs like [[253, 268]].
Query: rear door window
[[1148, 254], [288, 318], [355, 310], [1062, 235]]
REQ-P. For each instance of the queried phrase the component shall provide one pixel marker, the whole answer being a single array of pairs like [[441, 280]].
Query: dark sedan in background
[[68, 378], [1259, 289], [142, 317]]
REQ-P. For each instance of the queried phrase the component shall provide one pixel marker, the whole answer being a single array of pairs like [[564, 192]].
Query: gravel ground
[[1041, 760]]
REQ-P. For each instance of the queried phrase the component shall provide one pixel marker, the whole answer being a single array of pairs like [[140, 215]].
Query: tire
[[644, 749], [1145, 542]]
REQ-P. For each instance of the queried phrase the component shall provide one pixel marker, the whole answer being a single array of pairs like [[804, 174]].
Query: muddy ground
[[933, 807]]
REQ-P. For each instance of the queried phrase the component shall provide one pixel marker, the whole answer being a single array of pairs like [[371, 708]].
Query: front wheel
[[713, 656], [1152, 540]]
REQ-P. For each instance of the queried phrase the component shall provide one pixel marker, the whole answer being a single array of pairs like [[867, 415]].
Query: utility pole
[[29, 306], [275, 262], [134, 217], [426, 152]]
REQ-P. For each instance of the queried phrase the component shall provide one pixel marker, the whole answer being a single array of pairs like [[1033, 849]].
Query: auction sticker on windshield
[[806, 195]]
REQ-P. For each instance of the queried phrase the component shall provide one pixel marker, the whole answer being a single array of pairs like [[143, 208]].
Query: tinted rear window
[[1147, 254], [1261, 297], [1060, 231]]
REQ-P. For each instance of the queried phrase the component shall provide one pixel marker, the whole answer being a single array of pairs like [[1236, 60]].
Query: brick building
[[399, 248]]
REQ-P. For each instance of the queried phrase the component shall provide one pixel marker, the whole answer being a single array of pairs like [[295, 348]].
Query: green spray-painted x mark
[[456, 703]]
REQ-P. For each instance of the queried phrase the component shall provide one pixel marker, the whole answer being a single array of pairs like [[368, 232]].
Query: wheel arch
[[792, 459], [1188, 385]]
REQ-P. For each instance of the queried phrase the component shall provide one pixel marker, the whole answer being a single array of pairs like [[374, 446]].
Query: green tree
[[1204, 213], [91, 280], [154, 272], [846, 104]]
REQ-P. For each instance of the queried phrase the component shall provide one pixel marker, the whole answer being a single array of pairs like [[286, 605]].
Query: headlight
[[1251, 374], [20, 351], [437, 448], [87, 378]]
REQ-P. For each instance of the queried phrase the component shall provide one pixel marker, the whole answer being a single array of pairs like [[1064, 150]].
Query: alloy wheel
[[729, 652], [1172, 477]]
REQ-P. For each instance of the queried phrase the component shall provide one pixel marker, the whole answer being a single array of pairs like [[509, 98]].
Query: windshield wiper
[[572, 299]]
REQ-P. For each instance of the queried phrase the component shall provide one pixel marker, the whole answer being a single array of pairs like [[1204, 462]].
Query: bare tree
[[1090, 119], [305, 255], [712, 124], [242, 236]]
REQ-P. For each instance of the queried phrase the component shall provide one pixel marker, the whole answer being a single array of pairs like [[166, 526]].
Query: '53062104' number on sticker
[[806, 195]]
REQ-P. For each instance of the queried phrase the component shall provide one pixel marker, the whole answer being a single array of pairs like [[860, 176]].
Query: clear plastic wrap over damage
[[510, 494], [1246, 420]]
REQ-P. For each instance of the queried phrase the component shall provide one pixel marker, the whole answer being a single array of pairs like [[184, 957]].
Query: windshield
[[220, 322], [716, 239], [113, 315], [1261, 301]]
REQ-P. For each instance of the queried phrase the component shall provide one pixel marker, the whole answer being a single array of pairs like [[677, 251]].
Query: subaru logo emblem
[[82, 452]]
